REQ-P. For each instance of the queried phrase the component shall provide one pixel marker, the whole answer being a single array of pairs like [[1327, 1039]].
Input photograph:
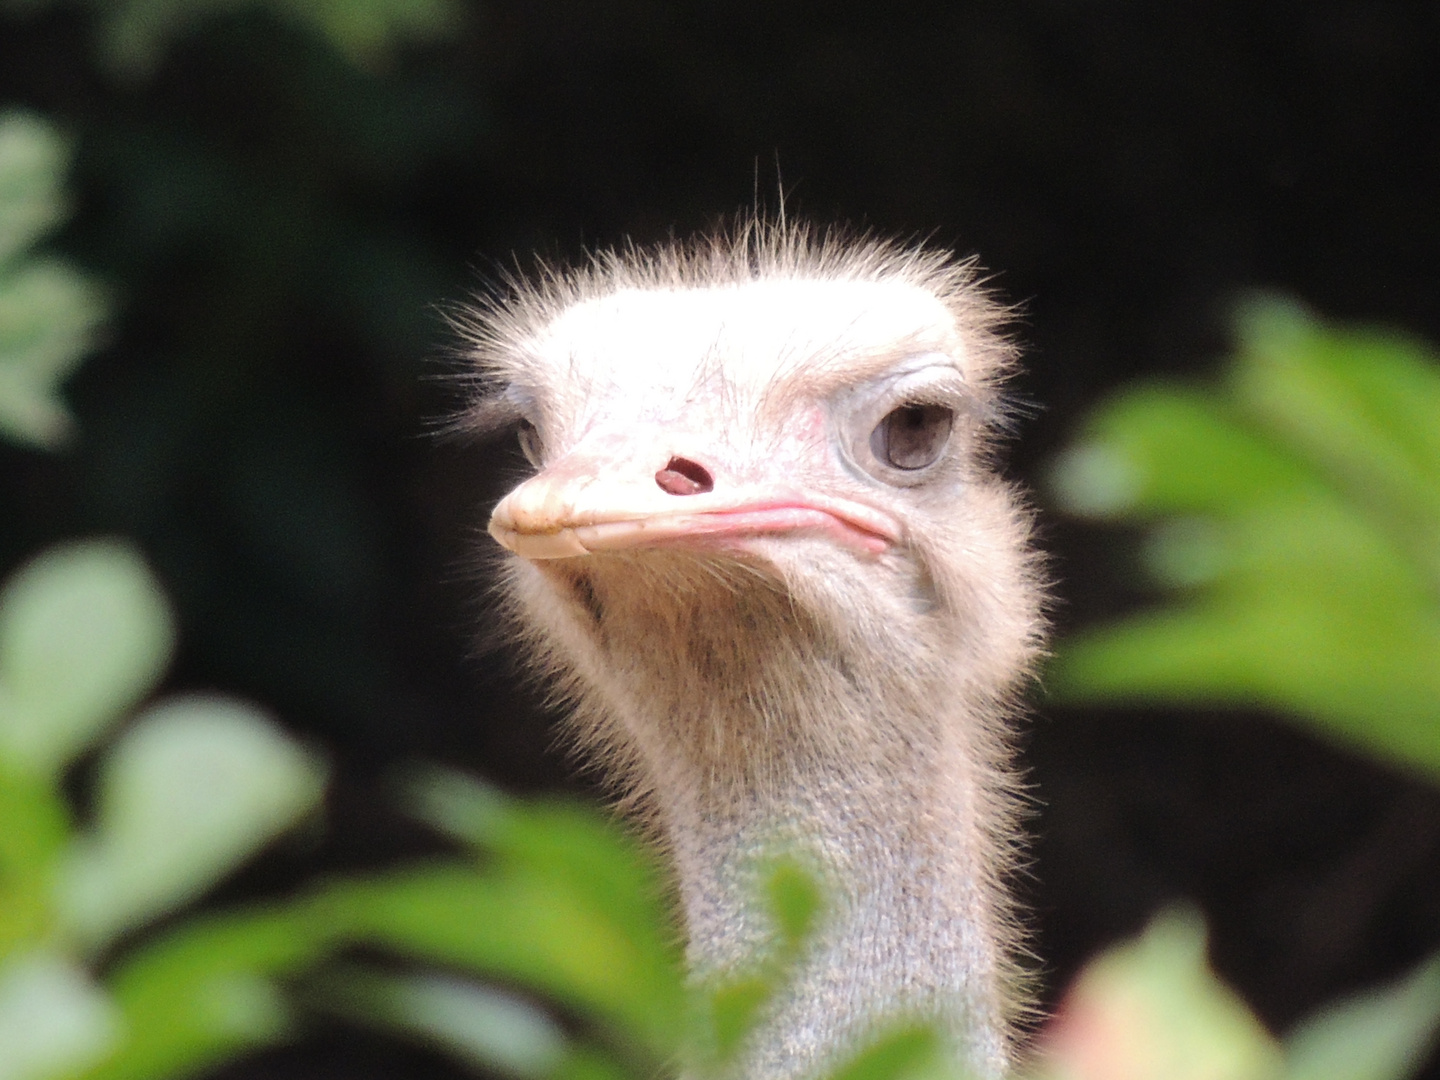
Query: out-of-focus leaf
[[1381, 1035], [594, 857], [579, 860], [1162, 450], [84, 633], [1309, 610], [1151, 1008], [492, 1029], [1303, 506], [795, 901], [33, 159], [459, 805], [584, 1063], [194, 788], [1185, 552], [734, 1007], [1363, 408], [529, 927], [53, 1020], [34, 826], [205, 990], [134, 34], [366, 31], [488, 1028], [48, 312], [911, 1053], [1372, 685]]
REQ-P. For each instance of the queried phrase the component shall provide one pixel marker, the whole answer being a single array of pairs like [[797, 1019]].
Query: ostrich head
[[767, 557]]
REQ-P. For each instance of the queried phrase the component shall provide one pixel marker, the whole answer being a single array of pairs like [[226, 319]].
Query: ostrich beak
[[588, 502]]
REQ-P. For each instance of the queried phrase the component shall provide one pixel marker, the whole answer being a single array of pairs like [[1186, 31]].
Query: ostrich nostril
[[682, 476]]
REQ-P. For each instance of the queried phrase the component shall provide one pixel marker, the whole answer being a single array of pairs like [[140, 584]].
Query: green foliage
[[190, 789], [476, 1023], [560, 901], [1294, 511], [84, 634], [796, 902], [187, 792], [48, 311], [597, 943], [1152, 1009], [553, 898], [908, 1053], [134, 34], [557, 900], [1382, 1035]]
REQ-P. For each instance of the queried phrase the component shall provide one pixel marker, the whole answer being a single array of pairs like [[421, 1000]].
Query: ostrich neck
[[764, 722], [896, 832]]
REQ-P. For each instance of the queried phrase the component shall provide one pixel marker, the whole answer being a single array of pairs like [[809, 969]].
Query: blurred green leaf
[[48, 312], [584, 1063], [186, 794], [492, 1029], [580, 860], [367, 30], [1298, 509], [795, 901], [53, 1020], [1163, 450], [523, 926], [910, 1053], [480, 1025], [34, 827], [1362, 408], [48, 318], [206, 989], [1185, 552], [134, 34], [1381, 1035], [734, 1007], [33, 160], [1308, 609], [1372, 687], [84, 633], [1152, 1009], [461, 806], [593, 856]]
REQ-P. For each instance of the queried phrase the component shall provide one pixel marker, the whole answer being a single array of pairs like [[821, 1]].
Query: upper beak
[[605, 501]]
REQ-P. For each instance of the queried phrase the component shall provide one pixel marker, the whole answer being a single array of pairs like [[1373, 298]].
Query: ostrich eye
[[912, 436], [530, 444]]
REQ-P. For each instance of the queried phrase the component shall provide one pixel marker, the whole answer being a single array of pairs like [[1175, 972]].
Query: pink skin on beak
[[581, 505]]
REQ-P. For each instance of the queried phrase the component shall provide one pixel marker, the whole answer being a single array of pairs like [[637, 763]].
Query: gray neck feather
[[908, 932]]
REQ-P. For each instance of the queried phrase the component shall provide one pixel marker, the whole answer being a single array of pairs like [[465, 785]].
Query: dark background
[[280, 229]]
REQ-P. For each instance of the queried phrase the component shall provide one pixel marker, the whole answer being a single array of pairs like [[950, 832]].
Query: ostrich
[[767, 558]]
